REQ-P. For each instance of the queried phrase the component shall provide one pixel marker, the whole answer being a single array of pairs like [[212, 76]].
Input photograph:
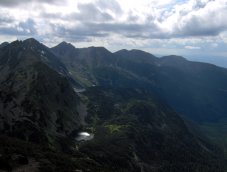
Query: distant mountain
[[134, 54], [196, 90], [79, 67]]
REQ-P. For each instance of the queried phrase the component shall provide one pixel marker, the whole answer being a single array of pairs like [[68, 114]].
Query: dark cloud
[[90, 12], [97, 11], [116, 28], [5, 19], [132, 17], [87, 12], [209, 25], [84, 31], [201, 4], [46, 15], [198, 30], [147, 30], [110, 5], [26, 28], [81, 32], [14, 3]]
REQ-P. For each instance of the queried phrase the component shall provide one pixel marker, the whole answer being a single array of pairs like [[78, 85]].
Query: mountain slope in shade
[[80, 68], [196, 90], [136, 132], [3, 44], [132, 130], [36, 102]]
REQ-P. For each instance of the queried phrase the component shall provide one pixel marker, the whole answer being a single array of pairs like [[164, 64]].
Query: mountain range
[[194, 89], [135, 106]]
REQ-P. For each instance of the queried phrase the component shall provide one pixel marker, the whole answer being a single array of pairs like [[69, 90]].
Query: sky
[[191, 28]]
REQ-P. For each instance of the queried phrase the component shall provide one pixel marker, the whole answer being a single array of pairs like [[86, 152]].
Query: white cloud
[[170, 24], [192, 47]]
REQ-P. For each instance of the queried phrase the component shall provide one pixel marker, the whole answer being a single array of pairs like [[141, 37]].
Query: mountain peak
[[137, 55], [33, 44], [31, 41], [100, 49], [122, 50], [173, 57], [173, 60], [134, 52], [65, 45]]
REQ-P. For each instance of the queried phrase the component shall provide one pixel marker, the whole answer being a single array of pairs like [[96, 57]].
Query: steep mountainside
[[196, 90], [36, 102], [3, 44], [81, 62]]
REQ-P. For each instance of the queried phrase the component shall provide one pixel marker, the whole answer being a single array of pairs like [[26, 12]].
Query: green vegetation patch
[[216, 132], [114, 128]]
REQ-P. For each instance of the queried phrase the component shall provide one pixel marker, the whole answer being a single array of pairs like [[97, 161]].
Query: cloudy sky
[[183, 27]]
